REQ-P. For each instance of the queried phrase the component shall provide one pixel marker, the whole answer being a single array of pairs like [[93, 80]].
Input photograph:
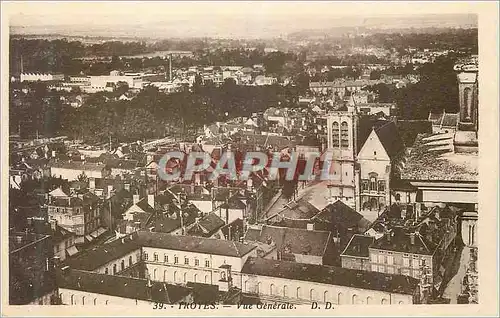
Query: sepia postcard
[[239, 158]]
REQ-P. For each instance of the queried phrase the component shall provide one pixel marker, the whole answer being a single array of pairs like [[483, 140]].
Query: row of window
[[122, 266], [339, 299], [176, 277], [176, 259], [414, 262], [373, 185]]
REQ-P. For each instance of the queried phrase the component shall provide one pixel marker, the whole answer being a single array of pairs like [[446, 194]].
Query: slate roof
[[390, 139], [121, 286], [100, 255], [206, 226], [358, 246], [331, 275], [400, 242], [341, 214], [299, 241], [299, 210], [193, 244]]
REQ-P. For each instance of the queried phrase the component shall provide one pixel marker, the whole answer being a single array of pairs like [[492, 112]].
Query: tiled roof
[[427, 163], [299, 210], [340, 214], [331, 275], [450, 120], [358, 246], [94, 258], [299, 241], [206, 226], [121, 286], [193, 244], [81, 166]]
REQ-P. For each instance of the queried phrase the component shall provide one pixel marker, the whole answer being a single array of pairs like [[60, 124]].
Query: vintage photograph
[[252, 155]]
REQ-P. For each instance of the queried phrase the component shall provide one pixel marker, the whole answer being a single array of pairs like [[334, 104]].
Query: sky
[[224, 19]]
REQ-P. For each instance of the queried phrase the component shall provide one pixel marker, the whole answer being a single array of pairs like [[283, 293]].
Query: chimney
[[310, 226], [412, 238], [92, 183], [151, 200], [135, 198]]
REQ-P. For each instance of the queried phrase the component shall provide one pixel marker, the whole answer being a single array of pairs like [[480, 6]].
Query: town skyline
[[227, 20]]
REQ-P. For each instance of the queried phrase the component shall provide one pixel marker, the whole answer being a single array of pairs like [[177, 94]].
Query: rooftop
[[331, 275], [121, 286], [432, 158], [358, 246], [298, 241]]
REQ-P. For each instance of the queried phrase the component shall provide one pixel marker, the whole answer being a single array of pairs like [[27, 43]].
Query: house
[[294, 244], [444, 122], [356, 254], [208, 226], [378, 159], [172, 259], [70, 170], [232, 210], [78, 213]]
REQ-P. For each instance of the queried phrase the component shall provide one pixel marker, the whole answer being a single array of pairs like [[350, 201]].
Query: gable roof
[[342, 215], [358, 246], [389, 137], [206, 226], [299, 241]]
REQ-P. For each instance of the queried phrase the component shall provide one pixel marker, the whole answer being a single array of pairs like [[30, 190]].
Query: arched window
[[259, 288], [145, 255], [195, 278], [114, 269], [73, 299], [368, 300], [130, 261], [175, 277], [106, 301], [325, 296], [354, 299], [106, 271], [185, 277], [340, 298], [206, 279], [83, 300], [285, 291], [312, 294], [384, 301], [154, 273], [61, 298], [155, 257], [123, 264], [271, 289], [401, 303], [165, 275], [398, 197], [344, 135], [95, 301], [223, 275], [299, 293], [245, 286], [335, 135]]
